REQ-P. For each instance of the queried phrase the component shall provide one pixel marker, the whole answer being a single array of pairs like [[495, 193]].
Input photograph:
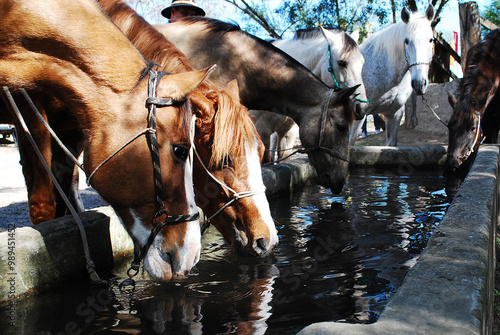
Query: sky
[[450, 17]]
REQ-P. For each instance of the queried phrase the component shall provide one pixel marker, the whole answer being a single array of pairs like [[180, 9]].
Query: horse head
[[344, 65], [129, 181], [330, 127], [228, 180], [418, 47], [464, 133]]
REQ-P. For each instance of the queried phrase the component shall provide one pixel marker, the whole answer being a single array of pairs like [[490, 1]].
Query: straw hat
[[182, 3]]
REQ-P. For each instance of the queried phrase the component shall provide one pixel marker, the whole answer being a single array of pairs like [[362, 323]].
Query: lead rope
[[424, 101], [336, 84], [94, 277]]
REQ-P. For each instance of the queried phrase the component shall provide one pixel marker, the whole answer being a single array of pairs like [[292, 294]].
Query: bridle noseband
[[408, 65]]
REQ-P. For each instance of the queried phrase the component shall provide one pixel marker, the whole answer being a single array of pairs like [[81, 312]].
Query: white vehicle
[[7, 130]]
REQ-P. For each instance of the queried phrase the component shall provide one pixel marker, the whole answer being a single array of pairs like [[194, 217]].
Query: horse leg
[[41, 198], [392, 127], [355, 130], [287, 142], [273, 146], [66, 172]]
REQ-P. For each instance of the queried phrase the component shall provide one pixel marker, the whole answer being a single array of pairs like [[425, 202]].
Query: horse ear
[[430, 12], [323, 31], [233, 90], [181, 84], [343, 94], [452, 100], [355, 35], [405, 15]]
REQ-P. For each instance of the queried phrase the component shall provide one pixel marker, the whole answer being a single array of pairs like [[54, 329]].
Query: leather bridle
[[152, 103], [324, 114]]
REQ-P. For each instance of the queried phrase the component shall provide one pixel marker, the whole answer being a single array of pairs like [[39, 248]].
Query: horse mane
[[151, 43], [155, 47], [315, 33], [389, 41], [233, 128], [212, 24]]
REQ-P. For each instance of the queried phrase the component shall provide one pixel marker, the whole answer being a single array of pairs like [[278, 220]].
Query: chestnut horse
[[227, 176], [271, 80], [89, 80], [478, 104]]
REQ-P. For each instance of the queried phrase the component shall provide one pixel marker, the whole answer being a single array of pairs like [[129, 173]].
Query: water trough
[[450, 289]]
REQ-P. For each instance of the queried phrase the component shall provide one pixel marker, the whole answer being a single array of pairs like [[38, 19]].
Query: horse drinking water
[[93, 81], [271, 80], [478, 104], [227, 174], [397, 61], [334, 57]]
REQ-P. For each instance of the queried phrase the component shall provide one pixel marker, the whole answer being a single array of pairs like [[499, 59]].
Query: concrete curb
[[450, 289], [405, 156], [32, 258]]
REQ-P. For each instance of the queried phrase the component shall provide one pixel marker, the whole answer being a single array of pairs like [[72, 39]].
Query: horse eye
[[342, 63], [180, 152], [228, 162], [431, 40], [341, 127], [407, 41]]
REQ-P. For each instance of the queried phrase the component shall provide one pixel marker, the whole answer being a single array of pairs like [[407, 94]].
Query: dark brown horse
[[271, 80], [227, 177], [90, 82], [477, 106]]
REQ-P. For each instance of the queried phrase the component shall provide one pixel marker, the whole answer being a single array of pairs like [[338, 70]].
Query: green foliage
[[492, 12]]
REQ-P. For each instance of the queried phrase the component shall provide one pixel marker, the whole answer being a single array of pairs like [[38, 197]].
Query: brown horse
[[89, 80], [227, 176], [478, 99], [271, 80]]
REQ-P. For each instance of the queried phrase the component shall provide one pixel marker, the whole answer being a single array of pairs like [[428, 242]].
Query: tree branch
[[256, 16]]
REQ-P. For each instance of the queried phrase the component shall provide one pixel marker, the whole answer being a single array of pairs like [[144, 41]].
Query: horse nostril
[[260, 246]]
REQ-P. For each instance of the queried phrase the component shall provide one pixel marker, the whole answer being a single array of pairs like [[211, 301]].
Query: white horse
[[397, 61], [278, 133], [335, 58], [332, 55]]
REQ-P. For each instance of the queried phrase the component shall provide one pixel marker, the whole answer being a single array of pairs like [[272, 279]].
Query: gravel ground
[[13, 194]]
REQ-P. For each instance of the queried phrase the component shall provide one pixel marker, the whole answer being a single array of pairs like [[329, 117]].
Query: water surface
[[340, 258]]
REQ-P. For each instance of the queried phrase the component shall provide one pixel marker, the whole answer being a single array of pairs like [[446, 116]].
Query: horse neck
[[310, 52], [387, 46], [291, 89]]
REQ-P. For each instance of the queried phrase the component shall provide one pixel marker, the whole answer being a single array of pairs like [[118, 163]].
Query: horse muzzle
[[333, 181], [254, 244], [419, 86]]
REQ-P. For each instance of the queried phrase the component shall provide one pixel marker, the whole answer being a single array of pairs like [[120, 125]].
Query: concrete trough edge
[[450, 288], [51, 252]]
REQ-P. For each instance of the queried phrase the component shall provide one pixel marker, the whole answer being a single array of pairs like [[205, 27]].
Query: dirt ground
[[432, 132]]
